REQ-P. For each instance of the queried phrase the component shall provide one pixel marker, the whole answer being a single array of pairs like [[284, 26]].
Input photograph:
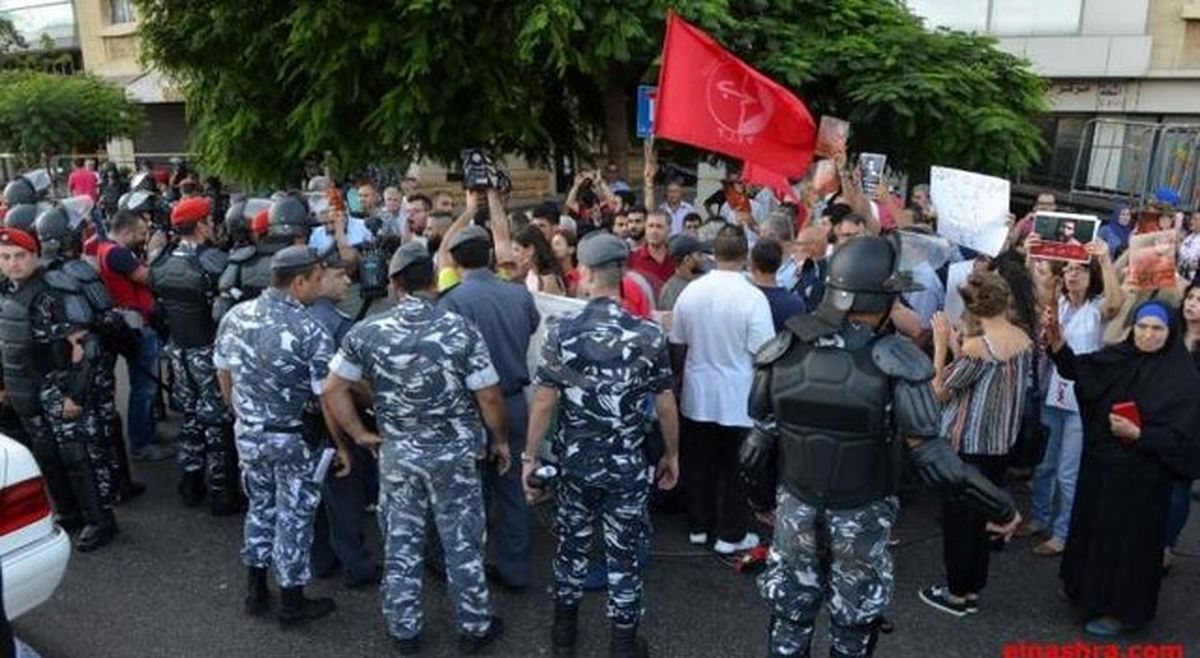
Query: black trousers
[[966, 546], [716, 499], [339, 533]]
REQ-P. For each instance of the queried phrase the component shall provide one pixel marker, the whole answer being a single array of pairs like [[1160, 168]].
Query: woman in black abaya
[[1111, 566]]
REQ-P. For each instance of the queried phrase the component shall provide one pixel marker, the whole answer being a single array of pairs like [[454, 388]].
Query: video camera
[[480, 172]]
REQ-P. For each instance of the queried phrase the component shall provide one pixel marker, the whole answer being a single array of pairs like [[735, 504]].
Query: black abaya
[[1112, 562]]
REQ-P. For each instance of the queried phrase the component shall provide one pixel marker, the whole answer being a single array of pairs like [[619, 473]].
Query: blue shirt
[[506, 316], [335, 323], [784, 304]]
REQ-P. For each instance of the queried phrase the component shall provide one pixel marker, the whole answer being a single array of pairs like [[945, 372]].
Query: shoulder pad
[[774, 349], [243, 254], [60, 280], [898, 357], [213, 261], [810, 326], [81, 271]]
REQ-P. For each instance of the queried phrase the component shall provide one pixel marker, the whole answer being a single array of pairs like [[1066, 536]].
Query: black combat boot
[[295, 609], [101, 525], [98, 533], [565, 630], [627, 644], [258, 597], [191, 488], [473, 644]]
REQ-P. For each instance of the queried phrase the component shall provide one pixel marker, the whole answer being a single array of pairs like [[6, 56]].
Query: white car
[[33, 549]]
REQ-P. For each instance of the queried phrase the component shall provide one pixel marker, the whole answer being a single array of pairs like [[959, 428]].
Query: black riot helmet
[[138, 201], [143, 182], [289, 217], [57, 232], [29, 187], [21, 216], [864, 276]]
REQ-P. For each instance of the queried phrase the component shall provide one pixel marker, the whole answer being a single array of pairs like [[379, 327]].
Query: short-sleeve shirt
[[505, 315], [83, 182], [424, 365], [356, 233], [723, 319], [278, 356], [605, 363]]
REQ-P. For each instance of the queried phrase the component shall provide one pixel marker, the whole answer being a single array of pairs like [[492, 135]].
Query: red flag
[[760, 175], [711, 99]]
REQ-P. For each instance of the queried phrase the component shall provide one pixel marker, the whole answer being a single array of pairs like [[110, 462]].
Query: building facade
[[1124, 87]]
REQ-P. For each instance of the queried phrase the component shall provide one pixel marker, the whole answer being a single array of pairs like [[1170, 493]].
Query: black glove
[[759, 469], [941, 467]]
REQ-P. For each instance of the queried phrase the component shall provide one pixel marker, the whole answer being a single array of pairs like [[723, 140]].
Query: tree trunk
[[616, 128]]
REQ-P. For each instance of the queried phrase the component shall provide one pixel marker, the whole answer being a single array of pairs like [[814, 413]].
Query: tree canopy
[[272, 83], [47, 113]]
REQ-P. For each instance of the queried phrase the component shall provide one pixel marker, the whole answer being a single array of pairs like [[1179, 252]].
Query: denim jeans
[[1058, 472], [142, 389], [1181, 507]]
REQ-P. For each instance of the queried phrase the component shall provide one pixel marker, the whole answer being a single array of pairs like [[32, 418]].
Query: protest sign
[[831, 137], [1152, 260], [871, 165], [1063, 236], [552, 308], [972, 209], [824, 178]]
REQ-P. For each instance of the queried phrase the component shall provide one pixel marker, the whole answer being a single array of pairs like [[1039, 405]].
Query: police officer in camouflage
[[271, 359], [599, 369], [48, 353], [836, 399], [184, 281], [432, 379]]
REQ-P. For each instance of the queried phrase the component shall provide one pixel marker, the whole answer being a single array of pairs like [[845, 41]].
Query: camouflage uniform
[[423, 365], [278, 357], [204, 434], [858, 578], [605, 362]]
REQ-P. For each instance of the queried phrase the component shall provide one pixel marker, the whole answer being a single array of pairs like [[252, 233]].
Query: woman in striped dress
[[982, 391]]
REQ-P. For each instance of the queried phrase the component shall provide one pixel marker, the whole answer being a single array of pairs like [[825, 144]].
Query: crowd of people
[[770, 360]]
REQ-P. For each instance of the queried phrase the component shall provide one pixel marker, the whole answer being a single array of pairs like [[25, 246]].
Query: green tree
[[15, 52], [42, 114], [272, 83]]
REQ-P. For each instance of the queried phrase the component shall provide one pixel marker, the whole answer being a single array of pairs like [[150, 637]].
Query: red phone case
[[1128, 411]]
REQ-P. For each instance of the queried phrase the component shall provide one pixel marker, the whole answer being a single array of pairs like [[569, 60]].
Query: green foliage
[[275, 82], [15, 52], [45, 113]]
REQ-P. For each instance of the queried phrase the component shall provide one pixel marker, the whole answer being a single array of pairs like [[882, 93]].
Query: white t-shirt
[[356, 233], [1083, 330], [723, 319], [677, 214]]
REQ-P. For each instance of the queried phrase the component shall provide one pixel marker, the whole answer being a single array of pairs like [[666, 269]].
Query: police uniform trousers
[[104, 388], [621, 509], [205, 436], [279, 479], [37, 437], [447, 485], [82, 449], [840, 552], [339, 530]]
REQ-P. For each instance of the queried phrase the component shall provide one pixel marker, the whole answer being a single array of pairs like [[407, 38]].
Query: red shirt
[[634, 300], [82, 182], [116, 264], [656, 271]]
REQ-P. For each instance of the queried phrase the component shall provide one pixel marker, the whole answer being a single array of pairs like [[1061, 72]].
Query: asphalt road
[[170, 585]]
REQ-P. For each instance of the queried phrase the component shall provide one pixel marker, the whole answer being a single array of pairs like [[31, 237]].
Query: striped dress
[[983, 413]]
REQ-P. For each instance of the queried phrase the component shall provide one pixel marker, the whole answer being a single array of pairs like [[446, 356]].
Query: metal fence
[[1130, 160]]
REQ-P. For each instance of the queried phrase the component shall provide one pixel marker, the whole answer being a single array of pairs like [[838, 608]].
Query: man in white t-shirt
[[720, 321], [675, 207]]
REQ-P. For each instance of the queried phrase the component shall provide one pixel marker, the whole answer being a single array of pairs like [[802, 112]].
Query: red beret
[[191, 210], [260, 223], [18, 238]]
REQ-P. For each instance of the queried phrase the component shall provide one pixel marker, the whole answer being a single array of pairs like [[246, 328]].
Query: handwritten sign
[[1152, 260], [972, 209]]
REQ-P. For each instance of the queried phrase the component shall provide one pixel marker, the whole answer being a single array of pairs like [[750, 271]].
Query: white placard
[[552, 308], [972, 209]]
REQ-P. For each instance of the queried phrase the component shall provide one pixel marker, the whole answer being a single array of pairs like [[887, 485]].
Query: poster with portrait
[[1064, 236], [831, 136], [872, 166], [1152, 260]]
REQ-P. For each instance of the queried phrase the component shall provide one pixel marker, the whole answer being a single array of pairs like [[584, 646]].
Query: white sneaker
[[698, 538], [726, 548]]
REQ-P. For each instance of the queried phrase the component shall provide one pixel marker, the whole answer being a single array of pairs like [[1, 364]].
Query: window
[[1013, 18], [120, 11], [965, 15]]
